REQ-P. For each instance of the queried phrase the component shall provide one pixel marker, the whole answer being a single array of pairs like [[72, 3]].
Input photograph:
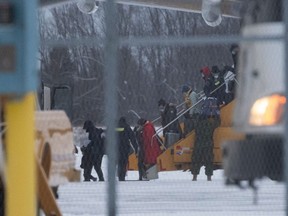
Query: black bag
[[210, 108]]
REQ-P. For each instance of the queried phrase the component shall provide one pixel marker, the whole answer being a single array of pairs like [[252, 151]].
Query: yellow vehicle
[[261, 99]]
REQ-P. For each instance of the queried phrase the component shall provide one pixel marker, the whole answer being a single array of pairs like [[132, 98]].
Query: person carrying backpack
[[209, 119]]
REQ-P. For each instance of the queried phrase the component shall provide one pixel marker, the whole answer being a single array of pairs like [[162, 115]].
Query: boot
[[93, 178], [194, 178], [209, 178]]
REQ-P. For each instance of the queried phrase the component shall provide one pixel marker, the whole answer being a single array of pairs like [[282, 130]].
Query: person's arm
[[207, 87], [132, 139]]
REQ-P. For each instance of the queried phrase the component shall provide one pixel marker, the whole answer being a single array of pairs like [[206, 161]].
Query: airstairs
[[178, 155]]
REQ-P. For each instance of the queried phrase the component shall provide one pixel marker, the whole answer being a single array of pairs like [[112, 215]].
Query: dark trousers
[[203, 148], [190, 123], [87, 171], [141, 166], [86, 165], [97, 162], [122, 166]]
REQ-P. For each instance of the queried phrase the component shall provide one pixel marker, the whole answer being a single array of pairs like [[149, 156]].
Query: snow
[[173, 194]]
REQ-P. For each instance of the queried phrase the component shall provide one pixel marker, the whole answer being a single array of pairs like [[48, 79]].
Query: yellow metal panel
[[183, 149], [165, 161], [226, 114], [132, 162], [21, 178]]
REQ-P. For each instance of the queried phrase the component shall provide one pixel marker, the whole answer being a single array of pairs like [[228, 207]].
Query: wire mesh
[[168, 54]]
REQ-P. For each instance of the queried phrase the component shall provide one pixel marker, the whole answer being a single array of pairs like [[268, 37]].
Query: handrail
[[185, 111]]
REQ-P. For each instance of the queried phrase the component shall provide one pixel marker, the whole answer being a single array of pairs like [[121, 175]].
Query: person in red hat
[[209, 119]]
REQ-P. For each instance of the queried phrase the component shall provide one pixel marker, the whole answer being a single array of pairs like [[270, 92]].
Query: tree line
[[146, 74]]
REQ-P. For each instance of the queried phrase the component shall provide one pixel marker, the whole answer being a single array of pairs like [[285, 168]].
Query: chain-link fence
[[170, 107]]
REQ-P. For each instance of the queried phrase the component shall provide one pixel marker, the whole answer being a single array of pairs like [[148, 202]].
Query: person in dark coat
[[217, 85], [125, 136], [168, 113], [96, 149], [141, 154]]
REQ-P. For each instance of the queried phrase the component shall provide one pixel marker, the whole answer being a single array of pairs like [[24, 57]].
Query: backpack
[[210, 108]]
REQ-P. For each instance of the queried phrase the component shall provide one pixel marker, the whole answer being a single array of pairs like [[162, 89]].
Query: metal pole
[[20, 147], [285, 43], [110, 88]]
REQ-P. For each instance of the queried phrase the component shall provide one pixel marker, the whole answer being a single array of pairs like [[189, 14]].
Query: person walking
[[86, 162], [97, 149]]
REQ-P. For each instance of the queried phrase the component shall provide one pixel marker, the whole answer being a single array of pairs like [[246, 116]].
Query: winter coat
[[151, 146], [193, 99], [95, 135], [212, 88], [125, 136], [170, 114]]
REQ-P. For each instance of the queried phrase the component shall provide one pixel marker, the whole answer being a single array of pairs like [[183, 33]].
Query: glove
[[102, 135]]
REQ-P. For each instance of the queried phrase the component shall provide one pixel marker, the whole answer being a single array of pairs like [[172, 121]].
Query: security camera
[[88, 6]]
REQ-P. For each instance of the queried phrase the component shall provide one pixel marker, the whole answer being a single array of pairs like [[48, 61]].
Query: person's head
[[185, 89], [161, 105], [234, 49], [87, 125], [122, 120], [205, 72], [215, 71], [228, 68], [141, 121]]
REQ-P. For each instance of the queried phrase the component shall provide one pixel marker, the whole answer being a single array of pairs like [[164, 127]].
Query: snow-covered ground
[[173, 194]]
